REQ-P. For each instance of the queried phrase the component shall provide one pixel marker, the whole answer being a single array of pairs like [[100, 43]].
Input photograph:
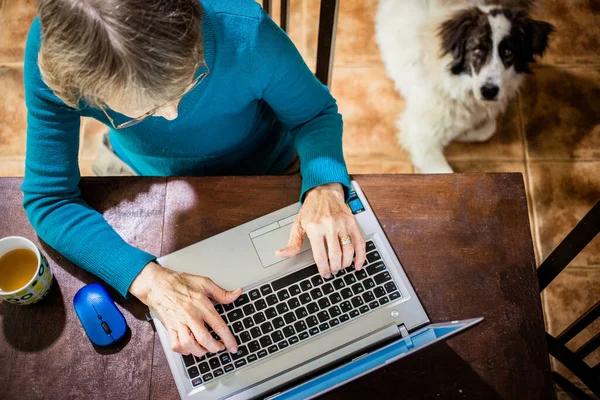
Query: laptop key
[[219, 308], [312, 321], [260, 304], [368, 283], [383, 300], [283, 295], [204, 368], [368, 297], [334, 322], [374, 269], [266, 328], [295, 277], [293, 340], [379, 291], [243, 299], [327, 288], [373, 305], [346, 306], [237, 327], [259, 318], [272, 299], [316, 293], [207, 377], [200, 359], [390, 287], [214, 363], [382, 277], [357, 301], [235, 315], [316, 280], [304, 298], [225, 358], [346, 293], [360, 275], [252, 358], [335, 311], [349, 279], [335, 298], [193, 372], [277, 336], [289, 331], [289, 318], [265, 341], [254, 294], [370, 246], [228, 307], [358, 288], [323, 327], [301, 313], [241, 353], [364, 309], [312, 308], [394, 296], [189, 360], [283, 345], [300, 326], [344, 318], [282, 308], [324, 303], [196, 381], [338, 284], [373, 256], [240, 363], [262, 353], [354, 313], [293, 303], [273, 349], [248, 323], [323, 316], [228, 368], [218, 372], [305, 285], [294, 290], [303, 336], [249, 309], [313, 331], [270, 312], [266, 289], [253, 346], [278, 323], [255, 332]]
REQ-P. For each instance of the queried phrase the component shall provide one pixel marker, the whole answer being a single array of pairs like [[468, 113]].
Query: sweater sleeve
[[51, 186], [304, 106]]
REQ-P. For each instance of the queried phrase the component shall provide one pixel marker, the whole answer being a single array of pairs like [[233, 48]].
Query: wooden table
[[464, 241]]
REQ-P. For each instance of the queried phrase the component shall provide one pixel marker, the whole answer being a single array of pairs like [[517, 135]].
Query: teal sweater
[[258, 106]]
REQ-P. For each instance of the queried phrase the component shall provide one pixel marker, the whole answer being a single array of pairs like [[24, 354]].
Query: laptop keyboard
[[289, 310]]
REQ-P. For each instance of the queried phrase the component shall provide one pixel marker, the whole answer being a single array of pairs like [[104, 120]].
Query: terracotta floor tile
[[561, 111], [370, 107], [491, 166], [15, 19], [562, 193], [12, 167], [91, 133], [506, 144], [371, 165], [13, 113], [572, 293], [355, 39], [577, 36]]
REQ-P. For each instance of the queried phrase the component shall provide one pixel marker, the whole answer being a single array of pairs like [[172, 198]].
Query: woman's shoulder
[[240, 8]]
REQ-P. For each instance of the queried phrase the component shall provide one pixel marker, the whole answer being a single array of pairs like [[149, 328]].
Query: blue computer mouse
[[103, 322]]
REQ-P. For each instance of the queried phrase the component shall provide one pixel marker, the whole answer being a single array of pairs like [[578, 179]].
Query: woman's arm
[[51, 186]]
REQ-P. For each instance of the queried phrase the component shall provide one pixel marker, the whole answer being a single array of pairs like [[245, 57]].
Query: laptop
[[300, 335]]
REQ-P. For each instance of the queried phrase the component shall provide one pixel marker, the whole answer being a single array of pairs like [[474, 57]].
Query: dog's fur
[[457, 63]]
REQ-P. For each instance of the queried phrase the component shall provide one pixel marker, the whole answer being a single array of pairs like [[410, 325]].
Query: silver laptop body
[[244, 257]]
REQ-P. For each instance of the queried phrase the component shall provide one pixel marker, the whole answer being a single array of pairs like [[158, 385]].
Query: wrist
[[329, 188], [141, 285]]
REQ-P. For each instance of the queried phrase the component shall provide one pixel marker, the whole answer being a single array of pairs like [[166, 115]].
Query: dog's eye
[[478, 52], [507, 52]]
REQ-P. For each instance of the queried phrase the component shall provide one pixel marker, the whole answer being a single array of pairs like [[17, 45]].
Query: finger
[[174, 342], [204, 338], [294, 243], [189, 343], [219, 294], [359, 244], [347, 250], [317, 243], [334, 251], [220, 327]]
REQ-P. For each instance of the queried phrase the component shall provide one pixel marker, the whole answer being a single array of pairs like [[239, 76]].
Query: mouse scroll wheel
[[106, 328]]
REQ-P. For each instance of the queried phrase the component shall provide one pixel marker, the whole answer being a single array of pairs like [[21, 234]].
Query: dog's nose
[[489, 92]]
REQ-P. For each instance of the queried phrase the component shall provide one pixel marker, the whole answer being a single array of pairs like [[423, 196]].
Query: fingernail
[[234, 350], [327, 276], [238, 290]]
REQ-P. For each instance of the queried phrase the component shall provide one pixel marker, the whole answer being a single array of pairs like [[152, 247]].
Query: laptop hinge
[[406, 336], [403, 330]]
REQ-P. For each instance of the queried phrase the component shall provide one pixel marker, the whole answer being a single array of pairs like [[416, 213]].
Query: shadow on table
[[34, 327], [437, 372]]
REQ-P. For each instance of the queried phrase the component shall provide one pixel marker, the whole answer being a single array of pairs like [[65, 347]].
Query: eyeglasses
[[150, 113]]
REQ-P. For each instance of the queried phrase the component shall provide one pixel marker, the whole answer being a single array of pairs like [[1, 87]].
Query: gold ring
[[346, 240]]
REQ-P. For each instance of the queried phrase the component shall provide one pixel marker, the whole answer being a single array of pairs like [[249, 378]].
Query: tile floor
[[551, 134]]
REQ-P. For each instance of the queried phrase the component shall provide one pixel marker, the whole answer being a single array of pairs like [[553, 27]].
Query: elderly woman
[[187, 87]]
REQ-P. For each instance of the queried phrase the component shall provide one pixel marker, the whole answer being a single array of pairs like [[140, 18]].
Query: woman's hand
[[182, 302], [325, 219]]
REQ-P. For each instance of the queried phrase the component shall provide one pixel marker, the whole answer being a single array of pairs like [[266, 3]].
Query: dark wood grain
[[464, 241], [44, 352]]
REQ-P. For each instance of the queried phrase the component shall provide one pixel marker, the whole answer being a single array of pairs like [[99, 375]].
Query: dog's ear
[[454, 34], [534, 37]]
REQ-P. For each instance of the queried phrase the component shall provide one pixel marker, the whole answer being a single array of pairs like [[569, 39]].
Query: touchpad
[[267, 244]]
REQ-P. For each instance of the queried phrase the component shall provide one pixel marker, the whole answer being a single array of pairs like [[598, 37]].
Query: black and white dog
[[457, 63]]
